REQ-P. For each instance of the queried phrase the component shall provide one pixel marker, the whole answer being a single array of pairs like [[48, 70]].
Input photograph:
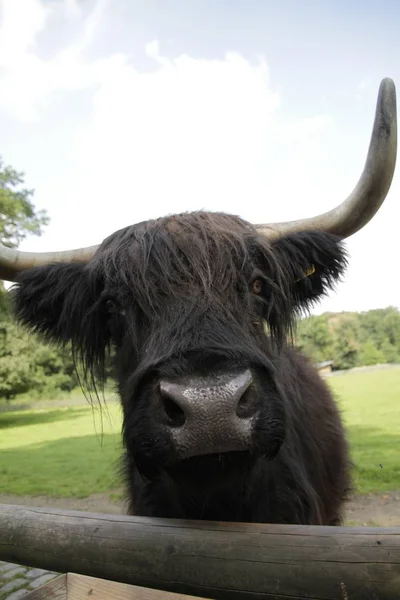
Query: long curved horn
[[344, 220], [14, 261], [371, 190]]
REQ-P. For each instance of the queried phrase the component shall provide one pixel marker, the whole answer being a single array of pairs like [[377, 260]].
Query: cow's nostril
[[175, 414], [245, 407]]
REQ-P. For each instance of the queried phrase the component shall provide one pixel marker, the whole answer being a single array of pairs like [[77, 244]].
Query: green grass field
[[73, 452], [62, 452], [370, 402]]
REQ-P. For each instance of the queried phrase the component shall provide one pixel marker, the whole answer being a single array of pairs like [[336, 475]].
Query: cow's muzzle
[[210, 415]]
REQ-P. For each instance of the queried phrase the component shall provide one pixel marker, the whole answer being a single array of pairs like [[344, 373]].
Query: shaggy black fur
[[172, 297]]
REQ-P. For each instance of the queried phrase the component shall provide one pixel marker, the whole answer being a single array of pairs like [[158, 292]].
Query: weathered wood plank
[[82, 586], [56, 589], [218, 560]]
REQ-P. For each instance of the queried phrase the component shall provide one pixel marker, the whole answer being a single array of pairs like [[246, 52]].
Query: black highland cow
[[223, 418]]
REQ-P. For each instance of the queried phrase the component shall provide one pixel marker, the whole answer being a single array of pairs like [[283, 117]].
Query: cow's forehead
[[178, 257], [197, 233]]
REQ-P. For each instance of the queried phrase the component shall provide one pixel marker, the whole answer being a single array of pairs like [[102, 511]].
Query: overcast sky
[[118, 111]]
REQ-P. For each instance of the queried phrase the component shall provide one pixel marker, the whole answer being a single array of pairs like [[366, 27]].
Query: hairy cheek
[[269, 432], [146, 441], [125, 361]]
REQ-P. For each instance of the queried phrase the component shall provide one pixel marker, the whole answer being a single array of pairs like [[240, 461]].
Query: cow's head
[[196, 308]]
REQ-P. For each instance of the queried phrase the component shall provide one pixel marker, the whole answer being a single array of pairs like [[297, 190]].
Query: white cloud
[[29, 81], [172, 138], [72, 9], [18, 35], [191, 134], [20, 66]]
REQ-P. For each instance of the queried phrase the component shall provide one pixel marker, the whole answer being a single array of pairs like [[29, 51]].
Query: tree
[[390, 352], [18, 216], [26, 363], [29, 365], [352, 339], [315, 339], [370, 354], [391, 327]]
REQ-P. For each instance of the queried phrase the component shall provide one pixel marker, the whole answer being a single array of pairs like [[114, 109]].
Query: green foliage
[[347, 343], [18, 216], [26, 364], [316, 340], [5, 308], [370, 354], [352, 339], [390, 352]]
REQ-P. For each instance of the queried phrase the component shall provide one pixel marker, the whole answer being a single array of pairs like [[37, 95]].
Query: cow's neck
[[163, 498], [261, 496]]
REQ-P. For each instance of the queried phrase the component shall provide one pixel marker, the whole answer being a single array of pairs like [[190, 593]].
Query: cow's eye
[[256, 287]]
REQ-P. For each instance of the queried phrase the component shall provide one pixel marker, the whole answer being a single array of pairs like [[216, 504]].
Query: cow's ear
[[60, 302], [313, 262]]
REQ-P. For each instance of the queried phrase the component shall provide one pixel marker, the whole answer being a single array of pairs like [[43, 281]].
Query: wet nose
[[207, 415]]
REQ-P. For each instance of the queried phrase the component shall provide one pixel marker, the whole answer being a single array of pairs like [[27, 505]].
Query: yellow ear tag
[[307, 273]]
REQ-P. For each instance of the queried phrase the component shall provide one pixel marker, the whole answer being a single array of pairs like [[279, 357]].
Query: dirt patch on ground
[[377, 510], [380, 510], [100, 503]]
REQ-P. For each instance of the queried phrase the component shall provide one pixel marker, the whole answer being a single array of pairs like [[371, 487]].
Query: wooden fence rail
[[214, 560]]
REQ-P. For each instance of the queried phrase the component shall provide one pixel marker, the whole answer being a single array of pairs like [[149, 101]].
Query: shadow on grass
[[78, 466], [69, 467], [376, 457], [20, 419]]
